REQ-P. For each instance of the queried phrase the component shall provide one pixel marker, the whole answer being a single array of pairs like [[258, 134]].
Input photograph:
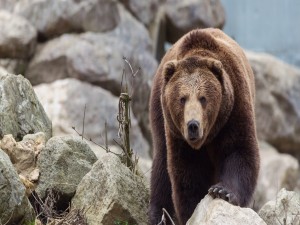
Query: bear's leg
[[191, 174], [160, 185], [238, 173], [160, 196]]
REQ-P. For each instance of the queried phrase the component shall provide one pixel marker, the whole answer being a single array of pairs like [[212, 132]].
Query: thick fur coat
[[203, 125]]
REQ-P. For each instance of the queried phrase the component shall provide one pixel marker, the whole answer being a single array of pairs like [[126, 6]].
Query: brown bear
[[203, 126]]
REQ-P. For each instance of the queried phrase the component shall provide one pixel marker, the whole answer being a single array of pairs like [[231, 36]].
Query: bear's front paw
[[219, 191]]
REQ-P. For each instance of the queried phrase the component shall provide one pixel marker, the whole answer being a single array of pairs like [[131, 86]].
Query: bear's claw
[[218, 191]]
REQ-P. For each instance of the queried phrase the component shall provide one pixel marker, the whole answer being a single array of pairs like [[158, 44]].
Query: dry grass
[[48, 214]]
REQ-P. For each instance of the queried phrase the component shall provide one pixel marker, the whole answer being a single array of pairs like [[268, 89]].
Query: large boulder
[[217, 211], [62, 164], [277, 102], [52, 18], [111, 194], [97, 58], [284, 209], [17, 36], [269, 181], [20, 111], [185, 15], [15, 207], [65, 106]]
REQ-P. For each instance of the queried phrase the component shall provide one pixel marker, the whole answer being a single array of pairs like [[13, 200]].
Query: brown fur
[[206, 77]]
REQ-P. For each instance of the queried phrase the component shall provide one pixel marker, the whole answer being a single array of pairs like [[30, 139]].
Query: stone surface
[[110, 193], [14, 66], [277, 102], [17, 36], [15, 207], [63, 163], [97, 58], [217, 211], [8, 5], [53, 18], [185, 15], [24, 154], [20, 111], [3, 71], [285, 209], [144, 11], [65, 107], [277, 171]]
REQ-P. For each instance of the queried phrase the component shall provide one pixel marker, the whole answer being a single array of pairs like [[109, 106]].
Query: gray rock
[[217, 211], [63, 163], [144, 11], [8, 4], [97, 58], [65, 107], [277, 171], [185, 15], [277, 102], [110, 193], [285, 209], [52, 18], [3, 71], [15, 207], [20, 111], [17, 36], [14, 66]]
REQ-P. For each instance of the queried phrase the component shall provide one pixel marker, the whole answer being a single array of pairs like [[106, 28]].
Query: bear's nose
[[193, 129]]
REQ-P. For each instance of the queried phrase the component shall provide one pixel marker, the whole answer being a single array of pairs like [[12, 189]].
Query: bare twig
[[90, 139], [163, 218], [124, 119], [83, 121], [106, 141]]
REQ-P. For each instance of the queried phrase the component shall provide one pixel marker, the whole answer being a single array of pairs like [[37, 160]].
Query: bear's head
[[196, 100]]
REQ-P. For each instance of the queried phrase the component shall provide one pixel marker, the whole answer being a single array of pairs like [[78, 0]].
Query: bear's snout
[[193, 130]]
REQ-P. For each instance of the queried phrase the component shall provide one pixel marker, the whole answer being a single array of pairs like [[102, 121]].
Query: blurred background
[[72, 53], [265, 26]]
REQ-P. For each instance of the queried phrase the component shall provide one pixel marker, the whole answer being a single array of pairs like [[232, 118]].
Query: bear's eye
[[182, 100], [202, 100]]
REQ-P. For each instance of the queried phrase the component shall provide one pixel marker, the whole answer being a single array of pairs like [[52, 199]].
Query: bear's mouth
[[193, 139]]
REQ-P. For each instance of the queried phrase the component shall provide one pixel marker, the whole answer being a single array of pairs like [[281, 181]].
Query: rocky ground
[[69, 60]]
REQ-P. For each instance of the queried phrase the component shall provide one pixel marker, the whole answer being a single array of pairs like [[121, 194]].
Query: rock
[[144, 11], [24, 154], [63, 163], [14, 66], [53, 18], [283, 210], [20, 111], [217, 211], [97, 58], [17, 36], [15, 207], [65, 107], [185, 15], [269, 182], [8, 5], [140, 54], [277, 102], [3, 71], [111, 194]]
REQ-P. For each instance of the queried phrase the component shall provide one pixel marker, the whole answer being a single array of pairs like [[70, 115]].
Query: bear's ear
[[216, 67], [169, 69]]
